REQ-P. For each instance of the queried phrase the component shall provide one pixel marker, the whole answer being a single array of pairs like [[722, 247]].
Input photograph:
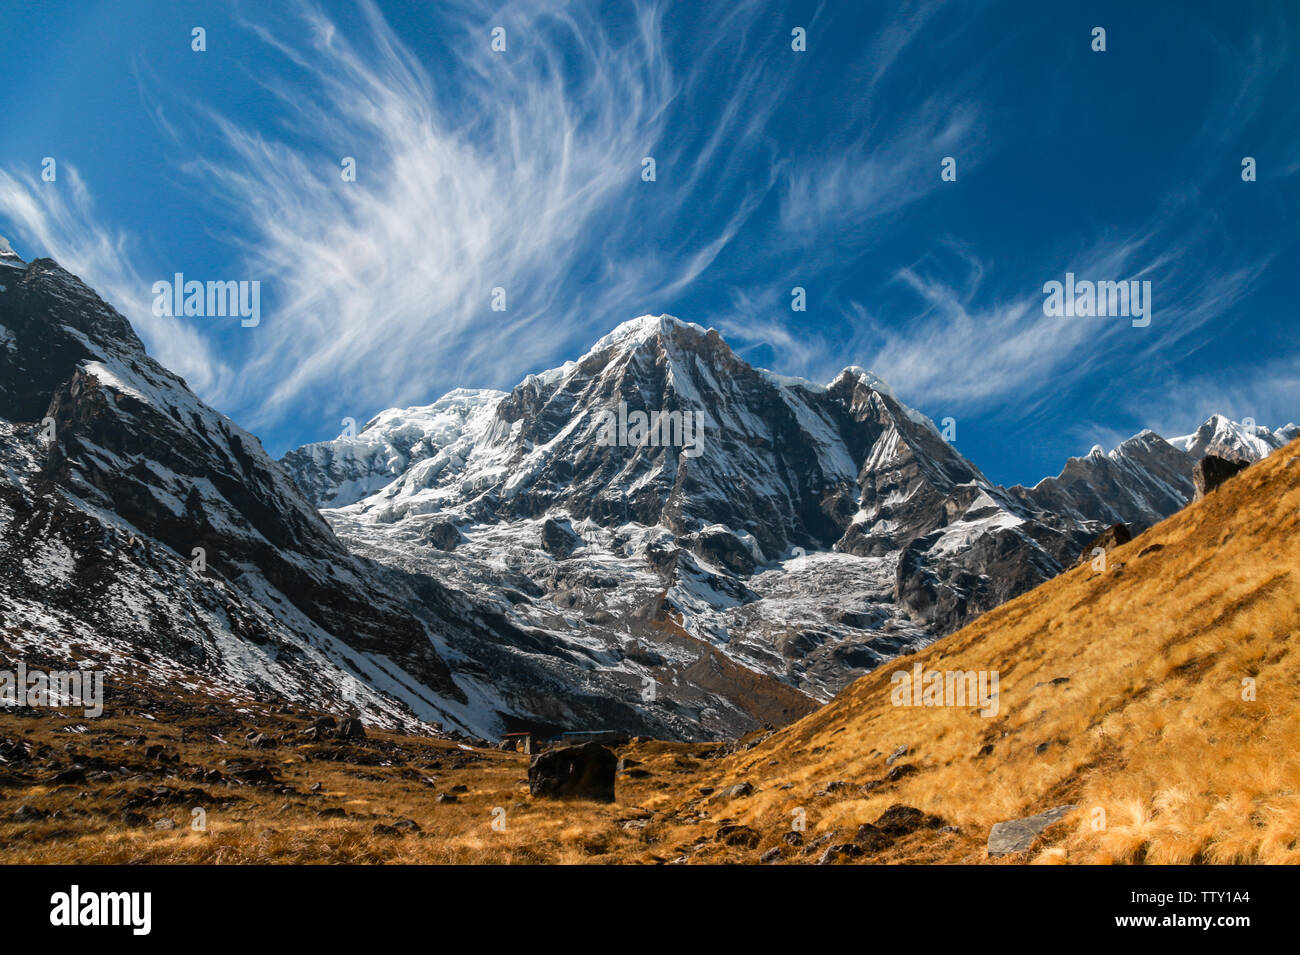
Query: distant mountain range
[[500, 561]]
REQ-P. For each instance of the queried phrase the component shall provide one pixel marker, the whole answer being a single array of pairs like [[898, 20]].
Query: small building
[[523, 742]]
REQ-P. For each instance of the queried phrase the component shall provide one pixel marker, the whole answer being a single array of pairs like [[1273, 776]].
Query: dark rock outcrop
[[443, 535], [1212, 470], [558, 538], [574, 772]]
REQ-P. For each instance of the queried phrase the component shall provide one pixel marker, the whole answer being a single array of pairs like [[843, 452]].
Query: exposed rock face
[[144, 481], [1141, 482], [1107, 540], [1212, 470], [574, 772], [1146, 478]]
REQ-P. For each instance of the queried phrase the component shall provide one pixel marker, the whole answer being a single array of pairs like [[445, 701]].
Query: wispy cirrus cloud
[[517, 170], [59, 218], [1269, 395], [385, 283]]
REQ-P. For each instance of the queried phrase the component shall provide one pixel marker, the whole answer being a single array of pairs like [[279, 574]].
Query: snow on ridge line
[[641, 328]]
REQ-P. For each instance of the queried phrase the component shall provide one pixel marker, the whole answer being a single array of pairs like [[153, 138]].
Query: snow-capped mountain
[[8, 256], [1236, 441], [143, 530], [1139, 483], [809, 532], [1147, 477]]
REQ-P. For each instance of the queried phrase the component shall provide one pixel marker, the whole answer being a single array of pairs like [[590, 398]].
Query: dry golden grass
[[1150, 737], [378, 781]]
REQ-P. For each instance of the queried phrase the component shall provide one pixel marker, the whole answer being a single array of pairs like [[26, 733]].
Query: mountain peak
[[644, 328], [856, 374], [1224, 437], [8, 256]]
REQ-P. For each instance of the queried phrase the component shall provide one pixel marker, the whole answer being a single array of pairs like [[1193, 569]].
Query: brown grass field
[[1126, 692]]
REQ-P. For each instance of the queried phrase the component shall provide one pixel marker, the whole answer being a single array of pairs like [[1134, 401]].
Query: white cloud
[[1270, 395], [58, 219], [384, 285]]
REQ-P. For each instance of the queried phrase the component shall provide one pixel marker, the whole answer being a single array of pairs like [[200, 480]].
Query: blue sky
[[774, 168]]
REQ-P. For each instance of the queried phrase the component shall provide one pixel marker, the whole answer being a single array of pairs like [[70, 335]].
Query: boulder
[[871, 839], [1017, 835], [843, 850], [737, 791], [735, 835], [722, 548], [900, 820], [1107, 540], [1211, 471], [574, 772], [900, 771]]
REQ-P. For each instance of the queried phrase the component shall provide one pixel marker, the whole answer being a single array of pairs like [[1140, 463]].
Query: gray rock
[[737, 791], [844, 850], [1017, 835]]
